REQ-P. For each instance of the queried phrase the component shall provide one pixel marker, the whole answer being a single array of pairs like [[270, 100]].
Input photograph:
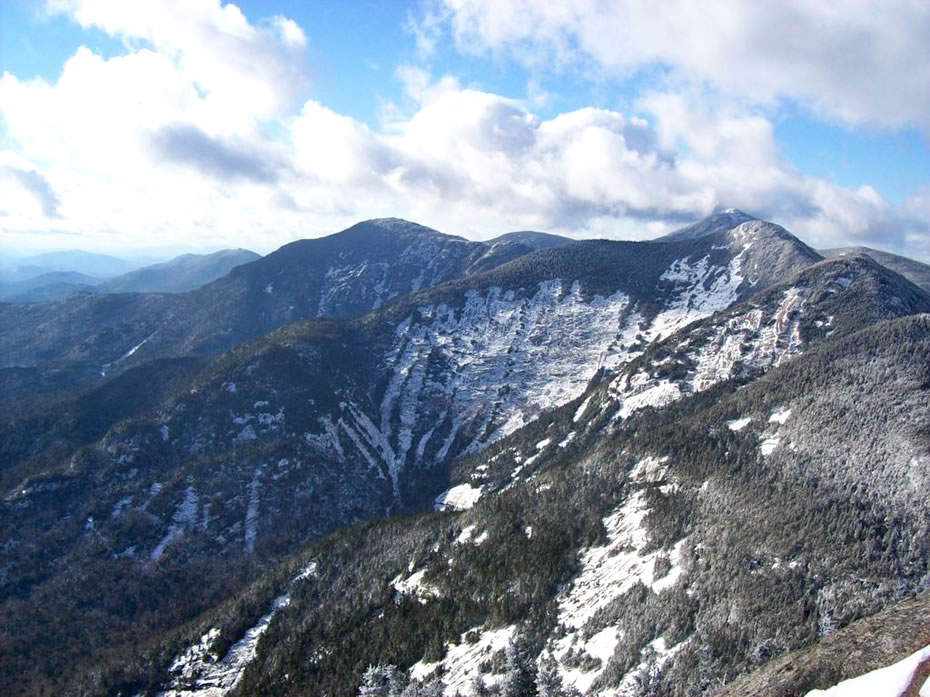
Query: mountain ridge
[[587, 415]]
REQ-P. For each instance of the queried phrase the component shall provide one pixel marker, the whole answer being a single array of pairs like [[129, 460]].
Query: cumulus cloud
[[249, 69], [854, 60], [171, 141], [473, 161], [36, 185], [190, 146]]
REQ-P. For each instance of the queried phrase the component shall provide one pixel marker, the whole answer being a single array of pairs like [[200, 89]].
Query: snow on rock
[[458, 498], [460, 664], [768, 445], [650, 469], [656, 395], [739, 424], [780, 416], [891, 681], [414, 586], [184, 515], [674, 573], [747, 341], [607, 572], [497, 339], [197, 672], [581, 410], [465, 535], [540, 446]]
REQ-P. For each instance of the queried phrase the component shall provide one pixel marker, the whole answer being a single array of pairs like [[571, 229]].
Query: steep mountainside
[[722, 535], [240, 459], [670, 553], [866, 645]]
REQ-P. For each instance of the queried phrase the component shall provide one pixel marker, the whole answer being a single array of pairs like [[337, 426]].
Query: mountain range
[[30, 283], [632, 467]]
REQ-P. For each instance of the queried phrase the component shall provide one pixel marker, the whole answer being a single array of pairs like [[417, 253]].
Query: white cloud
[[855, 60], [249, 70], [169, 143]]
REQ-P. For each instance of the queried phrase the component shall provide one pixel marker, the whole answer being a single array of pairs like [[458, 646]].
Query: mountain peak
[[726, 219], [391, 225]]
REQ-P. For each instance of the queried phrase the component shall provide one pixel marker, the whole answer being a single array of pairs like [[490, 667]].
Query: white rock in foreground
[[891, 681]]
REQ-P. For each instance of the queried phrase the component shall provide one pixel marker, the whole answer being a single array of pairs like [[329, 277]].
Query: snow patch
[[780, 416], [184, 515], [460, 664], [739, 424], [414, 586], [650, 469], [579, 412], [891, 681], [465, 535], [458, 498], [768, 445], [607, 572]]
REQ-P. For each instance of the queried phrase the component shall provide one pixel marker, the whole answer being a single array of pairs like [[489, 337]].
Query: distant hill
[[914, 271], [180, 274], [89, 263], [45, 286]]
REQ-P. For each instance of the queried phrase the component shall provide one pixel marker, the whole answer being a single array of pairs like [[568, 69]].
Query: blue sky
[[199, 124]]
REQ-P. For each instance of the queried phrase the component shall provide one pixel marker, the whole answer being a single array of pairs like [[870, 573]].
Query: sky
[[130, 126]]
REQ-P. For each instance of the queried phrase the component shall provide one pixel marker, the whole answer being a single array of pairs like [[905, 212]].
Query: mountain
[[513, 245], [229, 464], [88, 263], [342, 275], [914, 271], [671, 555], [46, 286], [724, 220], [182, 273]]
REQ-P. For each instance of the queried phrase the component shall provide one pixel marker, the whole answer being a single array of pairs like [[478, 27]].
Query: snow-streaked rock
[[197, 672]]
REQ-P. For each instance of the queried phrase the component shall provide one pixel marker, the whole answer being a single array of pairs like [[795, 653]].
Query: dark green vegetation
[[184, 495]]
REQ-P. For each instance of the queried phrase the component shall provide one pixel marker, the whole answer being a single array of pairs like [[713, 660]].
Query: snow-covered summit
[[718, 222]]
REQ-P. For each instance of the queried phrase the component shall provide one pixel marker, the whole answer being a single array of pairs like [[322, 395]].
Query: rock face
[[572, 408]]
